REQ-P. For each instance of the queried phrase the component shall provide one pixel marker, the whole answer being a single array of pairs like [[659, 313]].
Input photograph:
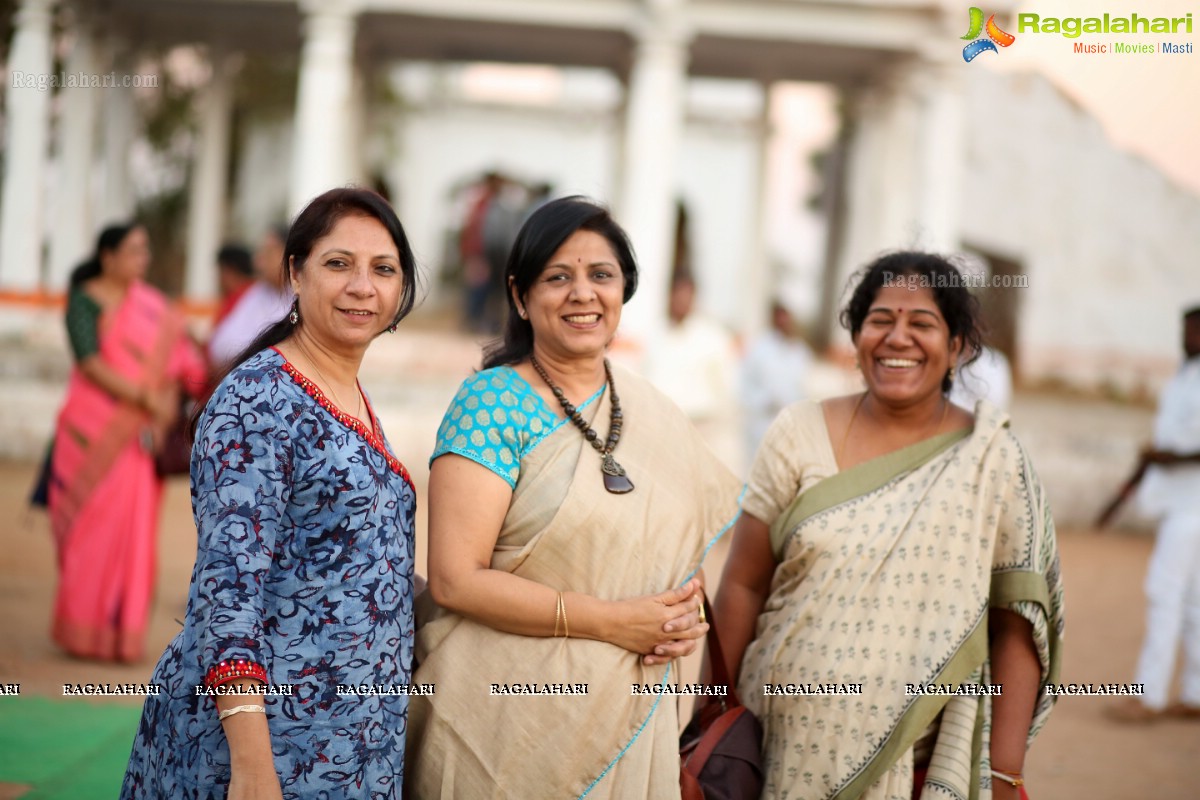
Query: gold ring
[[703, 617]]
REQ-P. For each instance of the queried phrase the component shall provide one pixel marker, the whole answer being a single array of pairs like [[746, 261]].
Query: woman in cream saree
[[525, 707], [901, 586], [886, 575]]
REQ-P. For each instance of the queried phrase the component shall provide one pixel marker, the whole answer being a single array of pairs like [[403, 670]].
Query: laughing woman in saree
[[132, 359], [895, 546], [571, 505], [304, 564]]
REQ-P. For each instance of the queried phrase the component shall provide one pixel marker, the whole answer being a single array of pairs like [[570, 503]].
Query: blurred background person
[[503, 219], [1171, 490], [265, 301], [774, 372], [538, 195], [479, 282], [988, 377], [235, 275], [692, 361], [132, 358]]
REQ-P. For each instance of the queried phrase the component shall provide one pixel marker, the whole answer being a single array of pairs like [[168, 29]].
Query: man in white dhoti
[[1171, 490]]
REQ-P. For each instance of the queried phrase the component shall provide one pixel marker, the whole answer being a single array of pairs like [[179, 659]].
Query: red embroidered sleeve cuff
[[226, 671]]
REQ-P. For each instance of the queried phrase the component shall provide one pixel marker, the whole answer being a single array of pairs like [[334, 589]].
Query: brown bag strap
[[712, 737]]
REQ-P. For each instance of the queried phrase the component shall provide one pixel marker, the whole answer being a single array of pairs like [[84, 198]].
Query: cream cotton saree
[[564, 530], [885, 576]]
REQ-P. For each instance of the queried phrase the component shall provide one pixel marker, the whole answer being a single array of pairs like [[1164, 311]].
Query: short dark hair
[[538, 240], [237, 258], [955, 302], [316, 221]]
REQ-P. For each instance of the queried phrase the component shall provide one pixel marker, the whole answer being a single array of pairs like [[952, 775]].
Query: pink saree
[[104, 493]]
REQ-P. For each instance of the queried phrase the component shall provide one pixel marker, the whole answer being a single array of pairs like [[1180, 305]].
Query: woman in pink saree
[[132, 358]]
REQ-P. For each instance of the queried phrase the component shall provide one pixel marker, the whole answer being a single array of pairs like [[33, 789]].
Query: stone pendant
[[615, 479]]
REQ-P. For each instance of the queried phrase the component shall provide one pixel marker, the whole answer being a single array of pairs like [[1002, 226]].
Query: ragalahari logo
[[995, 36]]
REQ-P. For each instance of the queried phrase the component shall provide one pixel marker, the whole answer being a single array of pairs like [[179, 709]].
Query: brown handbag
[[174, 457], [720, 750]]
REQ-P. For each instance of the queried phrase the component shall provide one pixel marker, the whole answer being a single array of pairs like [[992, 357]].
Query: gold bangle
[[703, 616], [558, 606], [566, 626], [1016, 781]]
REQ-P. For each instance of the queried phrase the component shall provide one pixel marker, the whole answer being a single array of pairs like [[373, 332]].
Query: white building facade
[[642, 104]]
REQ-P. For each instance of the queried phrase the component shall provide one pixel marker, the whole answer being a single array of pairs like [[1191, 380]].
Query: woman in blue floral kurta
[[304, 572]]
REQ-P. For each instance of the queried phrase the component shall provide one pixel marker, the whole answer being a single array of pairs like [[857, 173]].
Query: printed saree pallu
[[104, 495], [886, 573], [565, 531]]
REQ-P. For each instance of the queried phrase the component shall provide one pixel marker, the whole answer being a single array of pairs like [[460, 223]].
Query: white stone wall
[[1112, 248]]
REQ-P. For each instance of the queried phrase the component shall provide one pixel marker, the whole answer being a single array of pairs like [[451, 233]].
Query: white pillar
[[26, 131], [206, 194], [74, 227], [940, 156], [359, 125], [898, 225], [323, 144], [759, 284], [863, 190], [653, 127], [881, 186], [119, 125]]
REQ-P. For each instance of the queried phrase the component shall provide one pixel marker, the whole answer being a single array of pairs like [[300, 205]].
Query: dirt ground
[[1080, 754]]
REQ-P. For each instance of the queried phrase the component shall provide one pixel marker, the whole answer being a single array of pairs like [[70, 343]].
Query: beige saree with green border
[[885, 576], [564, 530]]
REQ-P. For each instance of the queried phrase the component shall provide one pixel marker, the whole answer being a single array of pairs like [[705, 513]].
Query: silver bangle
[[229, 712]]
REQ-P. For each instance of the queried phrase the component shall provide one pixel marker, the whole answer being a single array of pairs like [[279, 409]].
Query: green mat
[[74, 749]]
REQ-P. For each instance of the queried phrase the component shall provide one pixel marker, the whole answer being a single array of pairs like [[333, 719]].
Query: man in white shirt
[[774, 374], [988, 377], [1171, 490], [692, 362], [263, 304]]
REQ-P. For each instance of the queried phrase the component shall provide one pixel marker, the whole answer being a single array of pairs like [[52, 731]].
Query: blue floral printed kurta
[[305, 566]]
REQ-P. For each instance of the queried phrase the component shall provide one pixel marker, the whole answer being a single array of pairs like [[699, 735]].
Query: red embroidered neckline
[[356, 425]]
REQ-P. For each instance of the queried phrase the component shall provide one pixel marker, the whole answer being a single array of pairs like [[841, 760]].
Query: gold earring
[[951, 375]]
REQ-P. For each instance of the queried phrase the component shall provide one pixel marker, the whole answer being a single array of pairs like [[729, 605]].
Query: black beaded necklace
[[615, 479]]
